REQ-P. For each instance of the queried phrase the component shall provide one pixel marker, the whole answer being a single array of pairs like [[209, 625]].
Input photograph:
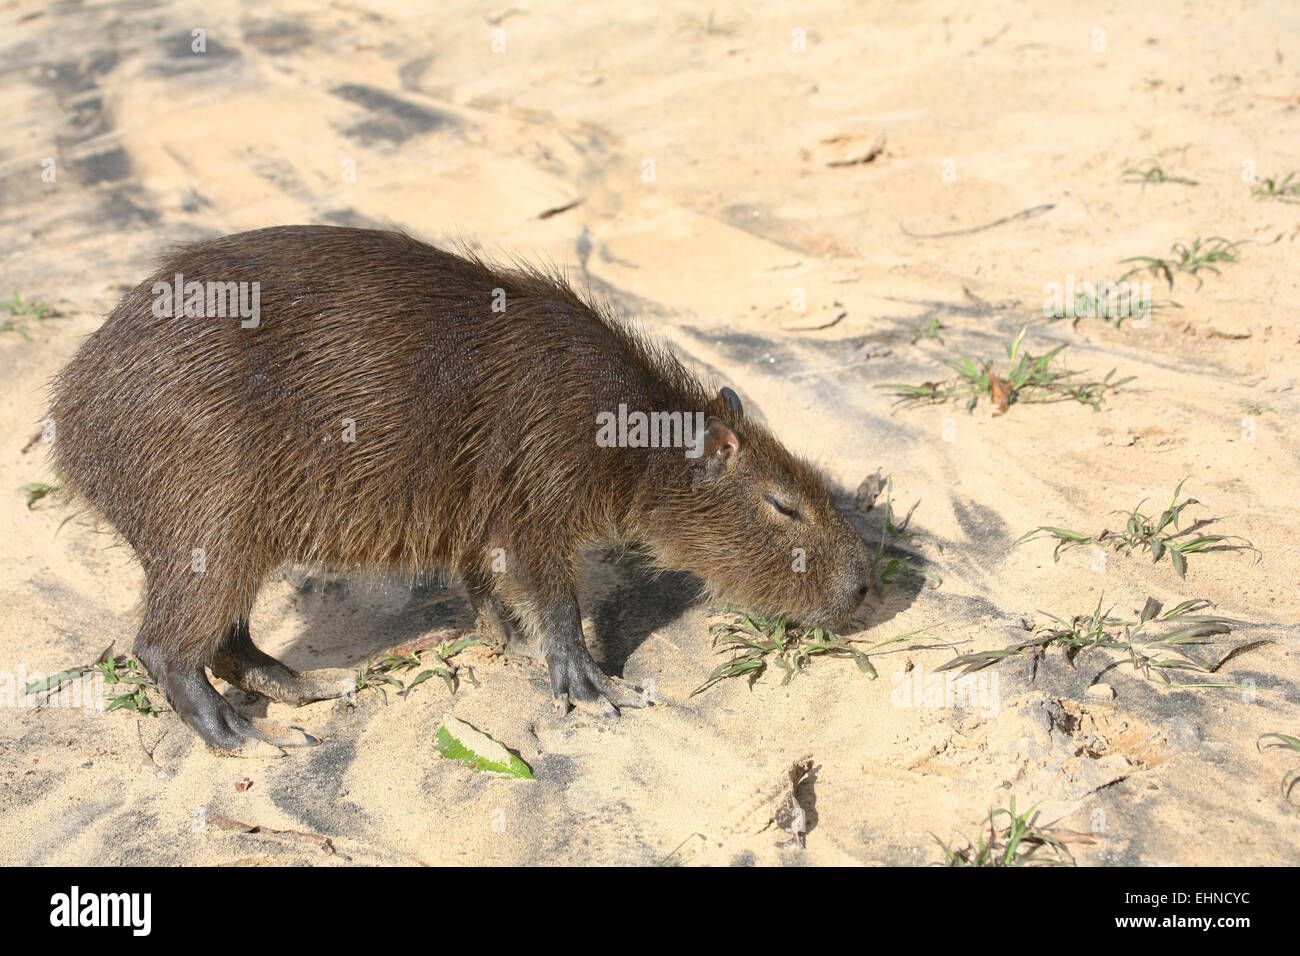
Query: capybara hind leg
[[495, 620], [241, 662], [575, 678], [211, 716], [181, 631]]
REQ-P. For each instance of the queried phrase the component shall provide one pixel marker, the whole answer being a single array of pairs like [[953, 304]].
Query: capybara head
[[758, 524]]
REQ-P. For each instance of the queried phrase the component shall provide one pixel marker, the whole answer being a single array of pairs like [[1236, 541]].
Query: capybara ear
[[720, 444], [732, 400]]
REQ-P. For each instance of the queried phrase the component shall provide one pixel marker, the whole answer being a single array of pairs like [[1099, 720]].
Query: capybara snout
[[764, 529]]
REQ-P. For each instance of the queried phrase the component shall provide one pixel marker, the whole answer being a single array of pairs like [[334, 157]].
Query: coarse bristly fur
[[384, 414]]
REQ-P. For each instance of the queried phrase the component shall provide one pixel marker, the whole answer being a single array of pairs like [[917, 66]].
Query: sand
[[725, 171]]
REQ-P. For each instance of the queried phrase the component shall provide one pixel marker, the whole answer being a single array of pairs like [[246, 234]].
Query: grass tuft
[[38, 490], [1018, 842], [756, 641], [1251, 407], [1144, 640], [1029, 378], [887, 570], [1283, 190], [928, 331], [1201, 254], [381, 673], [1145, 531], [120, 669], [23, 315], [1154, 174], [1285, 741]]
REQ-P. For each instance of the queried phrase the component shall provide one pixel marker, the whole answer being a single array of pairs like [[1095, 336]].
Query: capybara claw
[[577, 681], [326, 684], [580, 684], [624, 693], [251, 748], [599, 706], [282, 735]]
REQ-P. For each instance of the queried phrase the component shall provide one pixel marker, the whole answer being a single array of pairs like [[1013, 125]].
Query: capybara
[[384, 404]]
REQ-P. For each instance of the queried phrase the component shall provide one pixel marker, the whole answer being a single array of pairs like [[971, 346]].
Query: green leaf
[[1197, 545], [457, 740], [865, 665], [35, 492], [459, 646], [54, 681], [1194, 604], [1287, 741], [1066, 536], [1180, 562], [419, 679]]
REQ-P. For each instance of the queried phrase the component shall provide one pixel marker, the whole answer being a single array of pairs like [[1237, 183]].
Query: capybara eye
[[786, 509]]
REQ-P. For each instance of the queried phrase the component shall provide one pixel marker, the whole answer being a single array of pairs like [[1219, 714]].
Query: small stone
[[1104, 691], [848, 149]]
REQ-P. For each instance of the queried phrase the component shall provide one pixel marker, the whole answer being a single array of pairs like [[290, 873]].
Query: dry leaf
[[790, 815], [865, 497], [1000, 389], [850, 149]]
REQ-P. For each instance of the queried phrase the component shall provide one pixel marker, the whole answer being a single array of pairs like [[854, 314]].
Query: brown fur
[[475, 430]]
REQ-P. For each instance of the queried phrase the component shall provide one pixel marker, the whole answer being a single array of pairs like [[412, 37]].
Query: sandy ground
[[749, 209]]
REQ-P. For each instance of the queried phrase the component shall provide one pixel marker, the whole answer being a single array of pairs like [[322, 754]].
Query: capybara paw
[[277, 682], [250, 748], [626, 694], [254, 736], [579, 683], [325, 684], [282, 735], [234, 736]]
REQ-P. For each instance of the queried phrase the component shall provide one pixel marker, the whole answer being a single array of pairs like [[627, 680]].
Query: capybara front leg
[[575, 678]]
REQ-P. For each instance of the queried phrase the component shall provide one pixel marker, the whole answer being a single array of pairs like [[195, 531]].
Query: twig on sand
[[430, 641], [989, 41], [148, 761], [556, 210], [323, 843], [1029, 213]]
